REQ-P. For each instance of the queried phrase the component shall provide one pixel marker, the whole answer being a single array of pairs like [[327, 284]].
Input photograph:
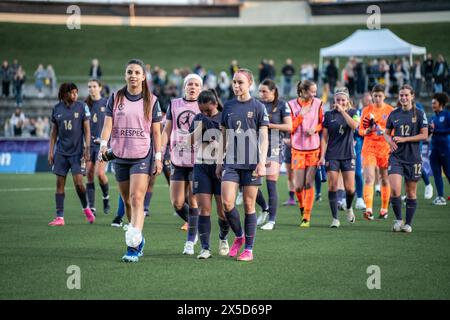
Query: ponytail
[[272, 87]]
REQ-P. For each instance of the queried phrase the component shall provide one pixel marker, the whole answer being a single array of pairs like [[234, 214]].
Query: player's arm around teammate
[[71, 135], [410, 126], [245, 163], [337, 151], [133, 123]]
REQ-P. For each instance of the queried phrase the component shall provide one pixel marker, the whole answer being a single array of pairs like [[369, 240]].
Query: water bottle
[[108, 155]]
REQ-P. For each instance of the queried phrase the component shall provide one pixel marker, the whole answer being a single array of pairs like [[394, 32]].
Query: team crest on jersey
[[250, 114], [102, 109], [441, 119], [120, 106], [384, 116], [76, 115], [184, 120]]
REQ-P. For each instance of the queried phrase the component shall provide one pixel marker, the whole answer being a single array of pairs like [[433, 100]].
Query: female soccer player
[[307, 118], [410, 126], [440, 145], [179, 117], [71, 134], [206, 134], [375, 150], [338, 152], [244, 129], [132, 122], [279, 122], [97, 109]]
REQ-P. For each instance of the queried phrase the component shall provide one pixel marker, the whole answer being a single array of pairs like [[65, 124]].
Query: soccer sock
[[59, 199], [309, 202], [385, 194], [349, 199], [234, 221], [250, 230], [204, 230], [273, 199], [183, 212], [147, 199], [396, 203], [224, 228], [291, 195], [83, 198], [105, 190], [301, 198], [332, 199], [193, 224], [411, 205], [121, 208], [438, 181], [90, 189], [261, 201], [368, 196], [340, 194]]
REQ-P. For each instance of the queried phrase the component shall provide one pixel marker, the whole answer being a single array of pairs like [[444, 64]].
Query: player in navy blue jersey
[[205, 136], [132, 121], [71, 134], [338, 151], [280, 122], [244, 127], [440, 145], [409, 126], [97, 109]]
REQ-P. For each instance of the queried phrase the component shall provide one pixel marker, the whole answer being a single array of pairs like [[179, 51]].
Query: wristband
[[158, 156], [103, 143]]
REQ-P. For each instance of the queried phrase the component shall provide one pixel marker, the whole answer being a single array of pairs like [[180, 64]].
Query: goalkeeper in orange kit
[[375, 151]]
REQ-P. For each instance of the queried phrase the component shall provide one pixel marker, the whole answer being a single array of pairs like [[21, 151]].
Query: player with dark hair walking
[[71, 135]]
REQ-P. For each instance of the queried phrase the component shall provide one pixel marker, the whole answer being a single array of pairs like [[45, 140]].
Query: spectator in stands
[[306, 72], [6, 76], [50, 79], [8, 128], [399, 76], [428, 69], [331, 74], [149, 76], [234, 67], [360, 75], [440, 73], [17, 122], [288, 72], [373, 73], [210, 80], [271, 69], [18, 81], [350, 76], [29, 127], [176, 80], [417, 77], [95, 71], [14, 67], [39, 76], [223, 86], [263, 70]]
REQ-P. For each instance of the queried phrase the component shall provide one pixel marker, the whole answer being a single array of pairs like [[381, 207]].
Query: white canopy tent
[[370, 43]]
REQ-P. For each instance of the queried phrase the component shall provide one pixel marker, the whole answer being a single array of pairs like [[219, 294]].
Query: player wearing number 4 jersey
[[375, 150], [410, 126]]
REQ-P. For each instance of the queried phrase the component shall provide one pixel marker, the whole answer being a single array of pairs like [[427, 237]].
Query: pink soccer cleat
[[236, 247], [89, 215], [289, 202], [58, 221], [246, 255]]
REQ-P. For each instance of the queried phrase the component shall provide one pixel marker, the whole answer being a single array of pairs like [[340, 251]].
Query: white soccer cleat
[[335, 224], [262, 218], [350, 216], [407, 228], [268, 226], [439, 201], [224, 249], [239, 199], [360, 204], [428, 192], [188, 248], [204, 254], [397, 227]]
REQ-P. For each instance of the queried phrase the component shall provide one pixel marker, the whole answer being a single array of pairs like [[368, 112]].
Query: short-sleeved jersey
[[340, 135], [156, 111], [69, 122], [407, 124], [276, 116], [440, 140], [98, 112], [207, 122], [242, 121]]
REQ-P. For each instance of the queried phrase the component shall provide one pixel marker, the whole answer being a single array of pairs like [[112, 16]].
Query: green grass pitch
[[290, 263]]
